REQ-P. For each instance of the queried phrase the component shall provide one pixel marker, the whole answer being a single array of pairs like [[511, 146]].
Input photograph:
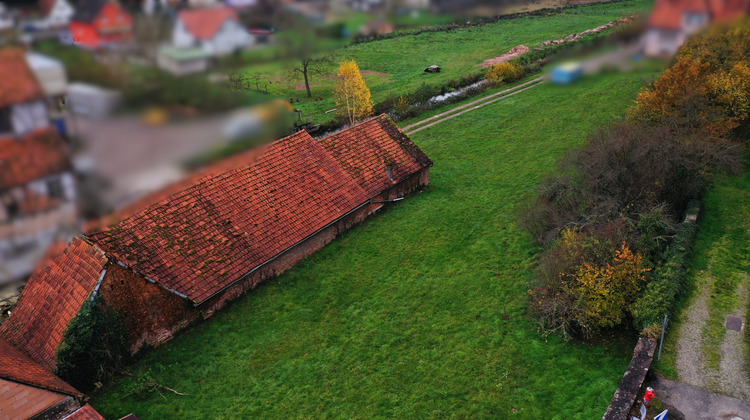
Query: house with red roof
[[185, 256], [37, 187], [215, 30], [27, 390], [100, 23], [672, 22]]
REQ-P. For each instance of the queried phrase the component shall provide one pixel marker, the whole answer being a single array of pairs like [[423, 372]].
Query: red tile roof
[[365, 151], [33, 156], [17, 81], [667, 14], [17, 366], [52, 297], [204, 23], [209, 235], [86, 412]]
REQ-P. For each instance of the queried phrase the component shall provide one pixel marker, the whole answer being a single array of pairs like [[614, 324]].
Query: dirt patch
[[733, 378], [515, 52], [690, 358], [276, 79], [598, 29], [301, 86]]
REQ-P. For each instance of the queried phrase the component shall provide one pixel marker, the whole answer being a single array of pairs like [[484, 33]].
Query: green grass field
[[419, 312], [722, 252], [399, 62]]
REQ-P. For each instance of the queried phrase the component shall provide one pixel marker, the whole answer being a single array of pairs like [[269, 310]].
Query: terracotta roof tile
[[204, 23], [17, 81], [86, 412], [51, 299], [33, 156], [667, 14], [366, 150], [17, 366], [204, 238]]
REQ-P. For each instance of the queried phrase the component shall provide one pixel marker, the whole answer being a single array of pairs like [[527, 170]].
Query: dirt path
[[732, 376], [476, 104], [733, 373], [690, 359]]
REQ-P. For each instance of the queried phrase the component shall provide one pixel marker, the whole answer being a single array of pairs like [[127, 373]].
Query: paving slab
[[698, 404]]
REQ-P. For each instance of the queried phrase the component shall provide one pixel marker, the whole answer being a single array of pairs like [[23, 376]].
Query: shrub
[[587, 283], [504, 73], [662, 290], [94, 347]]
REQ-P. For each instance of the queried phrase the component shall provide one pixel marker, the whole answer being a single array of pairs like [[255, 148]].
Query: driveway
[[698, 404]]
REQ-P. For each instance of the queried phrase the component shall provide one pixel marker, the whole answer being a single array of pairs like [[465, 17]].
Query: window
[[55, 188], [5, 123]]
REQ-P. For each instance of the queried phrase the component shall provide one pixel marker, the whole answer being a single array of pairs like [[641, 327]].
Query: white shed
[[49, 72], [92, 100]]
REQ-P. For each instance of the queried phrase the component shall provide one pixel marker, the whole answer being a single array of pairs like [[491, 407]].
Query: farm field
[[394, 66], [419, 312]]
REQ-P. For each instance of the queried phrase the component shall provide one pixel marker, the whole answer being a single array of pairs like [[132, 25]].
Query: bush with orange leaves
[[707, 88], [587, 284]]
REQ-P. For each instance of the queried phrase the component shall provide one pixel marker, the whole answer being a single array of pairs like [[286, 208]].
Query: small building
[[100, 23], [181, 259], [182, 61], [37, 187], [216, 30], [50, 73], [672, 22], [91, 100], [57, 14], [7, 21], [28, 391]]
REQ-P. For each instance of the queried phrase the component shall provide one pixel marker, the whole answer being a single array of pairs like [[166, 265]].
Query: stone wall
[[630, 385]]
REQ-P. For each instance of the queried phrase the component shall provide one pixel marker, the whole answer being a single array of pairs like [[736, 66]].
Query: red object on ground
[[648, 396]]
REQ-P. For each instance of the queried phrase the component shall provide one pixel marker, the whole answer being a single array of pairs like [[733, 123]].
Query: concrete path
[[698, 404], [475, 104]]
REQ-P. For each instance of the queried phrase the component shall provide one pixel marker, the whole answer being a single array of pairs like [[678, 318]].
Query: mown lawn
[[419, 312], [400, 61], [722, 253]]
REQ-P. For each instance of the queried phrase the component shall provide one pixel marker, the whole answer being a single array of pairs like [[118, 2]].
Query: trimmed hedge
[[670, 278]]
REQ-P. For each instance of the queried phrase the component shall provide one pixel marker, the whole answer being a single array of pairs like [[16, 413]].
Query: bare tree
[[306, 67]]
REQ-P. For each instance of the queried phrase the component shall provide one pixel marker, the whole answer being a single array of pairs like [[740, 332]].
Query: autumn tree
[[353, 99]]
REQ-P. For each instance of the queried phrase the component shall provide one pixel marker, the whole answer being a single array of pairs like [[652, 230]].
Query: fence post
[[663, 327]]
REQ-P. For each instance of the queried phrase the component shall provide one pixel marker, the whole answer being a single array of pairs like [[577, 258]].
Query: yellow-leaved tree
[[353, 99]]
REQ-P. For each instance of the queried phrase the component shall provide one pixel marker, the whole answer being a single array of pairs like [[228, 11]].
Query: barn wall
[[151, 314]]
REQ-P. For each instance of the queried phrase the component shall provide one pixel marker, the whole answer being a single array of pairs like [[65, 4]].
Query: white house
[[57, 13], [6, 18], [672, 22], [216, 30]]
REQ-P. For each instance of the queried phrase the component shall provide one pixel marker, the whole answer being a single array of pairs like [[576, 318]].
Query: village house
[[672, 22], [184, 257], [29, 391], [57, 13], [37, 187], [7, 21], [217, 31], [100, 23]]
